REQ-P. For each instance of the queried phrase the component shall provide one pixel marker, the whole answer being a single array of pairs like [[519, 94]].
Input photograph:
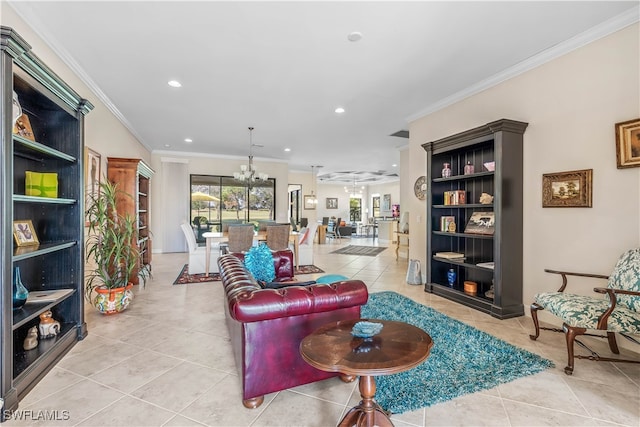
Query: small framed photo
[[24, 233], [332, 203], [628, 144], [309, 202], [570, 189]]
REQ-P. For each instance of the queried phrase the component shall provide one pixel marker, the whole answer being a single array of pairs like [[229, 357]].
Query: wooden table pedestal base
[[368, 412]]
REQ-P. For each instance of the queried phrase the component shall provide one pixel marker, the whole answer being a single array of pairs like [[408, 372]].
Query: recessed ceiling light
[[354, 36], [339, 110], [287, 149], [394, 165], [167, 145], [188, 140], [174, 83]]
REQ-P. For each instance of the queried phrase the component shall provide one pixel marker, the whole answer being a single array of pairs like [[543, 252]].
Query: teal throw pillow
[[330, 278], [259, 262]]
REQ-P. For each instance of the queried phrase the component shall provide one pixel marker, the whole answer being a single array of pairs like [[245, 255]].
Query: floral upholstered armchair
[[616, 310]]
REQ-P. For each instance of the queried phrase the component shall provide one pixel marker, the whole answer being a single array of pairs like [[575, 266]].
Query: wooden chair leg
[[613, 345], [570, 334], [534, 316]]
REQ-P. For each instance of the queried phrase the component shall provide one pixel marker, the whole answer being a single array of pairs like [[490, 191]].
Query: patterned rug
[[463, 359], [360, 250], [184, 276]]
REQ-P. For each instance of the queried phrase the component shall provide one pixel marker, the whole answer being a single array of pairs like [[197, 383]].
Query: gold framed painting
[[628, 144], [24, 233], [571, 189]]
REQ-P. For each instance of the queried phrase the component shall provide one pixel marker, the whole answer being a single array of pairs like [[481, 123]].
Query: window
[[376, 206], [355, 209], [223, 200]]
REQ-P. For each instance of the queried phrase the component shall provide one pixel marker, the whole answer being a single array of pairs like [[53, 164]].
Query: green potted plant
[[111, 251]]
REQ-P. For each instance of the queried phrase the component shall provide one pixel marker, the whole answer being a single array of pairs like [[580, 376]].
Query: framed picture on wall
[[570, 189], [92, 160], [309, 202], [386, 202], [332, 203], [628, 144]]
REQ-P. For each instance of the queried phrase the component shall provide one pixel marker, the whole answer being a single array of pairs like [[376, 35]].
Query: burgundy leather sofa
[[266, 326]]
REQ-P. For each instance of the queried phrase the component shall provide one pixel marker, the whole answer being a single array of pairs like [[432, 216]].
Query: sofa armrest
[[266, 304]]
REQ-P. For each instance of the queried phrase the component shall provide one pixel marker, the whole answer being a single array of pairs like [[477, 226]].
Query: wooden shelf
[[55, 266], [501, 142]]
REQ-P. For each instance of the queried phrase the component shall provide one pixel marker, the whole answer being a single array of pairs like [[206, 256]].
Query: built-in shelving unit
[[499, 289], [133, 177], [53, 270]]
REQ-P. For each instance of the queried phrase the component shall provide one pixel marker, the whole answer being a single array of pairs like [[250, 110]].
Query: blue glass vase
[[451, 277], [20, 292]]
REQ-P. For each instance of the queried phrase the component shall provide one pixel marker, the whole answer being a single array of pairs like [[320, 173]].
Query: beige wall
[[571, 105]]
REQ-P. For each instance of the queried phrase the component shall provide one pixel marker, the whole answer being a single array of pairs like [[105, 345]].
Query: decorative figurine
[[486, 199], [31, 341], [446, 170], [451, 277], [48, 326], [469, 168]]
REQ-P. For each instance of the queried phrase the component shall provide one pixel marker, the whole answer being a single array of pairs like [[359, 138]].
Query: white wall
[[571, 105]]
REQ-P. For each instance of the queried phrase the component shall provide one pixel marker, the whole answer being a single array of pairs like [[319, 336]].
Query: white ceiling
[[283, 67]]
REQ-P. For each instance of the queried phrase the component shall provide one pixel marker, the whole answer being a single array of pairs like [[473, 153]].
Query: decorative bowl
[[490, 166], [366, 329]]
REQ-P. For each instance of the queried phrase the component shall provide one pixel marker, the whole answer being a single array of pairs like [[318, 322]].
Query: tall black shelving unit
[[55, 267], [499, 142]]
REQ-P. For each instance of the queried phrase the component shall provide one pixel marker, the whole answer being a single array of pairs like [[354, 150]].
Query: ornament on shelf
[[451, 277], [446, 170], [20, 292], [31, 341], [48, 326], [486, 199]]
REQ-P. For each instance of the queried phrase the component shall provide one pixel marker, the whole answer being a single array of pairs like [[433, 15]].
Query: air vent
[[401, 134]]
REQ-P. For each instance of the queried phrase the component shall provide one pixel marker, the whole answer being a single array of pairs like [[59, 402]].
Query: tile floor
[[166, 361]]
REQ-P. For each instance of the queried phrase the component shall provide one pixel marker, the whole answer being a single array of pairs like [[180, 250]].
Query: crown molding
[[617, 23]]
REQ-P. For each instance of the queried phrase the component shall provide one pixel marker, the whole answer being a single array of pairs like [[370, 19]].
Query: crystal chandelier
[[248, 173]]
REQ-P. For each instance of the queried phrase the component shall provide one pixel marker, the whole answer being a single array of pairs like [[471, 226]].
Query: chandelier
[[248, 173], [314, 198], [354, 193]]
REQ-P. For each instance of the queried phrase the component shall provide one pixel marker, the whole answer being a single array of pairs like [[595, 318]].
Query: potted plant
[[112, 251]]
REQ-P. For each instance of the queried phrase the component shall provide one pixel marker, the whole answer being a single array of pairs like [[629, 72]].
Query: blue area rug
[[463, 359]]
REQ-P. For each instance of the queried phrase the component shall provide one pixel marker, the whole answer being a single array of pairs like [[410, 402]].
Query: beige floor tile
[[135, 371], [333, 389], [79, 402], [57, 379], [181, 421], [99, 358], [606, 402], [222, 405], [470, 410], [180, 386], [522, 414], [129, 411], [297, 410]]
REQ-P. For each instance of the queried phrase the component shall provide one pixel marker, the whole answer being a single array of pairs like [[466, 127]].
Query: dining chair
[[278, 236], [240, 238], [197, 254]]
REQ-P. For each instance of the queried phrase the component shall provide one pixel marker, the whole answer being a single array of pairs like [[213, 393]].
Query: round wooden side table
[[397, 348]]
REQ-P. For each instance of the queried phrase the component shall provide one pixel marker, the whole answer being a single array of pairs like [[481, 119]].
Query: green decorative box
[[41, 184]]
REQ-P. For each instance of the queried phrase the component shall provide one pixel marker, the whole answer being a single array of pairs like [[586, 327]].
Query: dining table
[[212, 237]]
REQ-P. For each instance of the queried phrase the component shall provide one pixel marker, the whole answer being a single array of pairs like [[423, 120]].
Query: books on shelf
[[481, 223], [486, 264], [457, 197], [448, 224], [449, 255]]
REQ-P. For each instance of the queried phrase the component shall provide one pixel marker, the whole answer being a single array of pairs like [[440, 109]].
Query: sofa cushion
[[259, 262], [278, 285]]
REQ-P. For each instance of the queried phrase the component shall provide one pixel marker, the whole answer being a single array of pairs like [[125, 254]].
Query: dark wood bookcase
[[133, 177], [499, 142], [55, 266]]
